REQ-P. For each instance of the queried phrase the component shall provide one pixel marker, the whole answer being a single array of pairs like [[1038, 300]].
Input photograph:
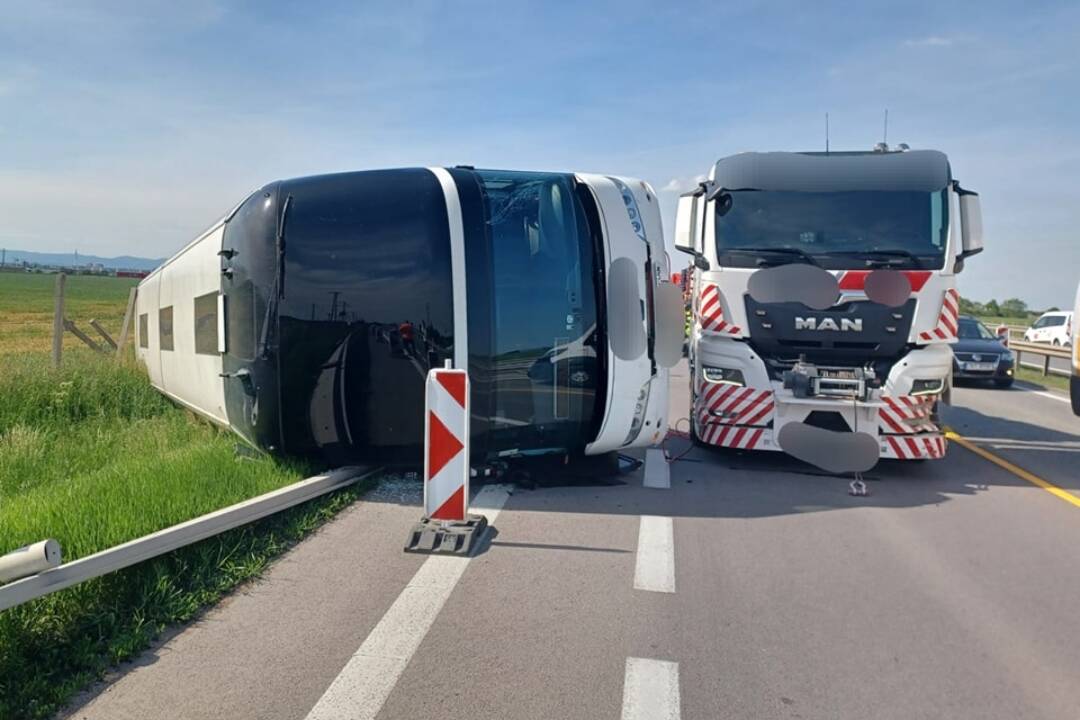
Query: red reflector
[[856, 279]]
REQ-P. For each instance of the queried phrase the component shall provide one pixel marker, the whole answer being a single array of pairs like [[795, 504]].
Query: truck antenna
[[826, 133], [885, 137]]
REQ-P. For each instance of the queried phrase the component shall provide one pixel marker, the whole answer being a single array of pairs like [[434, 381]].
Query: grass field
[[93, 456], [26, 308], [1035, 377]]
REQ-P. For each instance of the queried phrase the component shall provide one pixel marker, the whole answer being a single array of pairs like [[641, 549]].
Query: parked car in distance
[[979, 354], [1051, 327]]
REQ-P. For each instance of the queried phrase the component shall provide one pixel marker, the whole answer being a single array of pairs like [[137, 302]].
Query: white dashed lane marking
[[651, 690], [362, 687], [655, 567]]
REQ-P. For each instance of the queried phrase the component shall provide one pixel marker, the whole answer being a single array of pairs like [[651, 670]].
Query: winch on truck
[[824, 294]]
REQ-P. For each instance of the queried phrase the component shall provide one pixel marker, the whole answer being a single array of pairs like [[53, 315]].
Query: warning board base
[[447, 538]]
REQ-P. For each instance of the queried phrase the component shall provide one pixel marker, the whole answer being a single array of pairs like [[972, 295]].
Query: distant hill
[[124, 262]]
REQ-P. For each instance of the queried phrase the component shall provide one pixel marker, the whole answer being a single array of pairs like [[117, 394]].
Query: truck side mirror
[[688, 224], [971, 229], [688, 237]]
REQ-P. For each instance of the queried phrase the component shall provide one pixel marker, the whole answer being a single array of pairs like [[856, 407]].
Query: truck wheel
[[694, 439]]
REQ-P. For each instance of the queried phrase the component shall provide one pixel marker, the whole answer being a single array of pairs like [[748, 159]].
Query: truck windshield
[[839, 230], [543, 343]]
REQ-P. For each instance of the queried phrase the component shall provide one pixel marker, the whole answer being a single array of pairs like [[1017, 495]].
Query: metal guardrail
[[177, 536], [1047, 352]]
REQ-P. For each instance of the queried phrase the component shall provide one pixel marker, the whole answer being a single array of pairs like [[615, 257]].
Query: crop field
[[93, 456], [26, 308]]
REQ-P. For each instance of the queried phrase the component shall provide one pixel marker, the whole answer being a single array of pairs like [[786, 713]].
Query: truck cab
[[824, 294]]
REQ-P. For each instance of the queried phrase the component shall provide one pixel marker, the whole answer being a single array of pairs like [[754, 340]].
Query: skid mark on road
[[362, 687], [1014, 469], [651, 690], [655, 567]]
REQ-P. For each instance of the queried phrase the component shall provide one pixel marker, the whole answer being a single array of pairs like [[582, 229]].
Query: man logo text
[[845, 324]]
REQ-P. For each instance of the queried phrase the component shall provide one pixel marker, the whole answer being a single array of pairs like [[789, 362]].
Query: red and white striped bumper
[[930, 446], [736, 417], [732, 416], [907, 429]]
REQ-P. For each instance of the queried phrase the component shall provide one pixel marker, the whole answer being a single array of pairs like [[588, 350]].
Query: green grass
[[1046, 382], [26, 308], [93, 456]]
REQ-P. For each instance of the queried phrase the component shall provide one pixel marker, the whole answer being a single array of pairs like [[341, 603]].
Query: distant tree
[[970, 307], [1055, 308], [1014, 307], [991, 309]]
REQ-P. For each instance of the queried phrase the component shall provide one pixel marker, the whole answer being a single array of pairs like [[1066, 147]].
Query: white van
[[1051, 327]]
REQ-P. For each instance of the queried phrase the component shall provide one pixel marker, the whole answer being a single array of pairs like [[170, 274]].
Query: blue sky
[[125, 128]]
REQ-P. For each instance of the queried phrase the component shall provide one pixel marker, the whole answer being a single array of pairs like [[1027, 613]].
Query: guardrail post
[[1046, 364]]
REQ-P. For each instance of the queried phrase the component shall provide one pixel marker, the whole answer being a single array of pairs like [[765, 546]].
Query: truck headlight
[[727, 376], [1008, 356], [928, 387], [640, 407]]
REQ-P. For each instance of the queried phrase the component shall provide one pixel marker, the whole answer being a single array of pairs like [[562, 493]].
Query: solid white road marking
[[366, 681], [1052, 396], [650, 690], [655, 567], [657, 472]]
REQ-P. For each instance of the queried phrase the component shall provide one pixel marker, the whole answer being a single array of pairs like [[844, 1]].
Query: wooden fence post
[[58, 320], [128, 319], [74, 330], [102, 332]]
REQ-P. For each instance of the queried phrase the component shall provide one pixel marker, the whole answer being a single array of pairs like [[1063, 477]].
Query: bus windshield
[[837, 230], [544, 340]]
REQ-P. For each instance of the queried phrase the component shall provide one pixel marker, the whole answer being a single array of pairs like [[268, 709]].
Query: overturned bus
[[307, 318]]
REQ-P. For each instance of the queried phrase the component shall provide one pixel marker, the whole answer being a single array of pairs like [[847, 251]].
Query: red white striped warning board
[[446, 452], [946, 325]]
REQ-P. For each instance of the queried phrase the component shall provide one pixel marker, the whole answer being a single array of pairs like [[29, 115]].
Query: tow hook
[[857, 488]]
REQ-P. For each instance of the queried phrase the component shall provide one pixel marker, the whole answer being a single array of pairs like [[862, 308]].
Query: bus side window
[[206, 324], [165, 327], [144, 330]]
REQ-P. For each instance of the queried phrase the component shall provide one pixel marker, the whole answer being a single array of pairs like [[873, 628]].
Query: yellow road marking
[[1017, 471]]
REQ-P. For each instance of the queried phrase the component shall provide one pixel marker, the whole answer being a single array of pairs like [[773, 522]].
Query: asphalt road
[[753, 587]]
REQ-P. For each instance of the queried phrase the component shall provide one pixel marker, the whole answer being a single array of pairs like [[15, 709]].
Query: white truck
[[881, 236]]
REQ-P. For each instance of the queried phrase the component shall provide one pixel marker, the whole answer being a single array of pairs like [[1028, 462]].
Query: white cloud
[[930, 41], [682, 184]]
